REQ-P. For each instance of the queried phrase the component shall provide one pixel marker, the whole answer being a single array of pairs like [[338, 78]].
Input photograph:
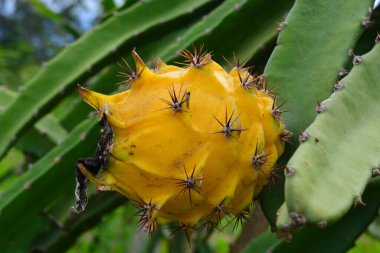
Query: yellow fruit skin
[[156, 148]]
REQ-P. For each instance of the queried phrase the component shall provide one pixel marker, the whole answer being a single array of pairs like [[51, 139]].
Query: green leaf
[[61, 73], [332, 168]]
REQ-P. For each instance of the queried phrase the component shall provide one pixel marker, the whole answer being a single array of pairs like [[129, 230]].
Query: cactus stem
[[197, 59], [303, 137], [289, 171], [131, 74], [258, 160], [177, 100], [276, 110], [286, 136], [338, 86], [227, 128], [320, 108], [189, 183], [376, 172]]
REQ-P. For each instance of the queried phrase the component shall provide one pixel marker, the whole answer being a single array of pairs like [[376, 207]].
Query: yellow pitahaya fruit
[[190, 145]]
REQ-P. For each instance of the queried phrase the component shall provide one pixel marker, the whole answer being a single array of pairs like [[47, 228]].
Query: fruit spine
[[185, 144]]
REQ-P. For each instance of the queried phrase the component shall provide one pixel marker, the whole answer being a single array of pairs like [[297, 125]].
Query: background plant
[[45, 127]]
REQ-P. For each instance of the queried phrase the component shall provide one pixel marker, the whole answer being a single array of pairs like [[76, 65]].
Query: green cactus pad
[[332, 168]]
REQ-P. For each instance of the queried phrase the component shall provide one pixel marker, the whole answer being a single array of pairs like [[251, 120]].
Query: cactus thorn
[[286, 136], [227, 127], [357, 59], [145, 213], [285, 235], [258, 160], [27, 185], [177, 100], [208, 31], [236, 64], [338, 86], [359, 201], [241, 218], [214, 218], [376, 172], [343, 72], [198, 58], [275, 175], [377, 39], [82, 136], [280, 26], [57, 159], [322, 224], [366, 22], [289, 171], [320, 108], [303, 137], [262, 85], [276, 110], [187, 229], [189, 183], [247, 81], [297, 219], [129, 73], [237, 6]]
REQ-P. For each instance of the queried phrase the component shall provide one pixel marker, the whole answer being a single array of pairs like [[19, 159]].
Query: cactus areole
[[190, 145]]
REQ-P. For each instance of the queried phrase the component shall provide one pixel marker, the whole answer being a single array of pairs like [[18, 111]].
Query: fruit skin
[[184, 144]]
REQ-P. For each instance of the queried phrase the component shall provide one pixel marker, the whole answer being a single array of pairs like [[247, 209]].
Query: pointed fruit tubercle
[[189, 145]]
